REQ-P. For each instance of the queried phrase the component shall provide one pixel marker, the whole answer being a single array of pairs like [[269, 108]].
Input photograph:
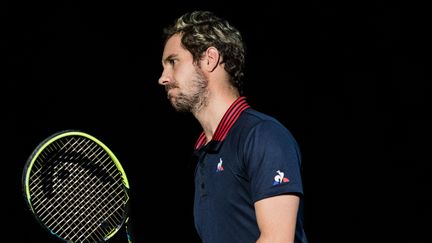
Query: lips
[[170, 93], [169, 89]]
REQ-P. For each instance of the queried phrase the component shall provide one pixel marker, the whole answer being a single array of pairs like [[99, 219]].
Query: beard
[[194, 98]]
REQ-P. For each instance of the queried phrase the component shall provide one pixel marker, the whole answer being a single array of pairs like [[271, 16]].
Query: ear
[[211, 59]]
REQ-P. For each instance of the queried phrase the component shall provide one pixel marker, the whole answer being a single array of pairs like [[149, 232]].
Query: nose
[[164, 78]]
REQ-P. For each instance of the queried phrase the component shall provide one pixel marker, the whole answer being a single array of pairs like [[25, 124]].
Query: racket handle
[[129, 231]]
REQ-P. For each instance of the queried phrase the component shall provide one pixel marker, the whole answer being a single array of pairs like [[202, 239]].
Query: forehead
[[173, 46]]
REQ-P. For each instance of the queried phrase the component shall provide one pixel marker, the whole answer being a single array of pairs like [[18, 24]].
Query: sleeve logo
[[280, 178]]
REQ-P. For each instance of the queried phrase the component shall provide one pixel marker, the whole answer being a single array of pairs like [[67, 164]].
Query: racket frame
[[49, 140]]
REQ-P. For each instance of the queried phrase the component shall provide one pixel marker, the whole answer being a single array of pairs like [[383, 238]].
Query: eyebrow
[[170, 57]]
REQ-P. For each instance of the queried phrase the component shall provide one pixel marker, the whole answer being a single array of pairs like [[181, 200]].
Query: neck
[[210, 116]]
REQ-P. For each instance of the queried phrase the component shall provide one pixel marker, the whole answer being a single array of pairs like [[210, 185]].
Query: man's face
[[184, 81]]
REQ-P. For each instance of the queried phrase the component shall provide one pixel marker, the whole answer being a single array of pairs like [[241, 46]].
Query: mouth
[[170, 90], [170, 94]]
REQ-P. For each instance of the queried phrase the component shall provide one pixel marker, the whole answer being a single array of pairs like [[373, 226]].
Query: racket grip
[[129, 231]]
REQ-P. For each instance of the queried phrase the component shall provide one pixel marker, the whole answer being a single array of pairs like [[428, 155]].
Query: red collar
[[228, 120]]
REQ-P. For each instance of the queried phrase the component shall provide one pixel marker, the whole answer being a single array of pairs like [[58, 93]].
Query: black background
[[350, 82]]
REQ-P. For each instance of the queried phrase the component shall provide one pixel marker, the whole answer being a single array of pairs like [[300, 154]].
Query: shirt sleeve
[[272, 161]]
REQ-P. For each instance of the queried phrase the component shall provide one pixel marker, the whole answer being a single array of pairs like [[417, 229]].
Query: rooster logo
[[219, 166], [280, 178]]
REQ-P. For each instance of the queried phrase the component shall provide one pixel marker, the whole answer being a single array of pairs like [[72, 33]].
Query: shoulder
[[256, 120], [253, 124]]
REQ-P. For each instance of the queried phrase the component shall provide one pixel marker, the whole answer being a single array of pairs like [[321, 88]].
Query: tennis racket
[[77, 189]]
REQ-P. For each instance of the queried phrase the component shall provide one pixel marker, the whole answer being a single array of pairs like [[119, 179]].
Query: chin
[[173, 102]]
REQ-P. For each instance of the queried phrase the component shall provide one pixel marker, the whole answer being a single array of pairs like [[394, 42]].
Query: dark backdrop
[[349, 81]]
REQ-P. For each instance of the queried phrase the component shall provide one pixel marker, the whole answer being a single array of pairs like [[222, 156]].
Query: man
[[248, 184]]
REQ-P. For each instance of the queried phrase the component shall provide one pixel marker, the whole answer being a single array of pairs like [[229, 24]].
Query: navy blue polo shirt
[[250, 157]]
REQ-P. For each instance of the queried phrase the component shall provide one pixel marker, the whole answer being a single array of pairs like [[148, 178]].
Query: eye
[[172, 62]]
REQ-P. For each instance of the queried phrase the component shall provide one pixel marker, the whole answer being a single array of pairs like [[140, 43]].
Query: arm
[[276, 218]]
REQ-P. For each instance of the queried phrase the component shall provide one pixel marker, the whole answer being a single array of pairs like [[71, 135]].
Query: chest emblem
[[219, 167]]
